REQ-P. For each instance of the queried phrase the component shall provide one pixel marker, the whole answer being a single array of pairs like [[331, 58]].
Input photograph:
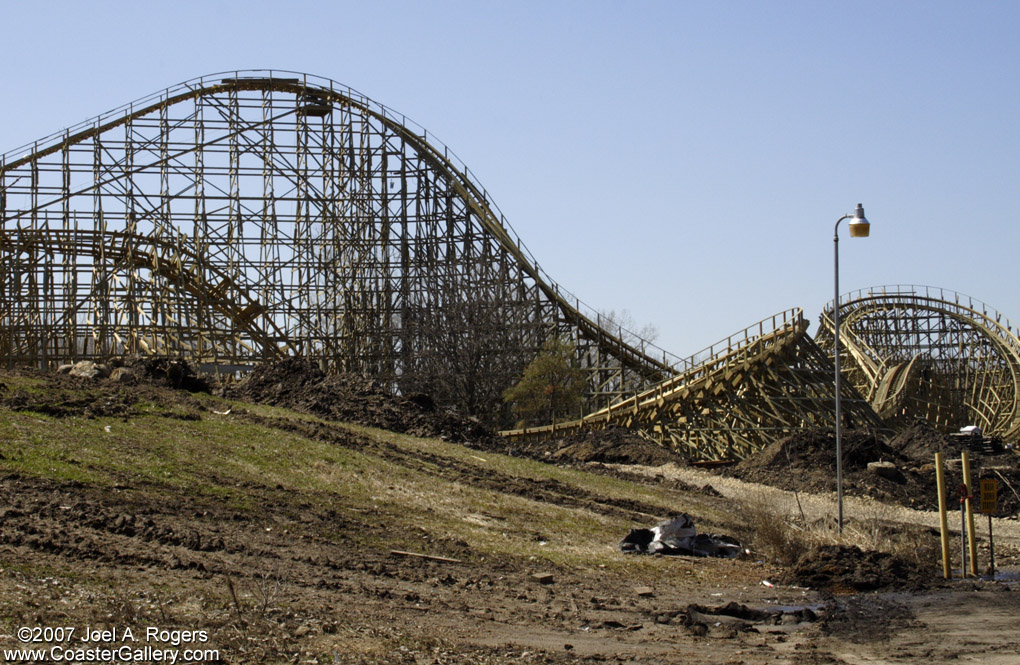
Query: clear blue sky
[[685, 161]]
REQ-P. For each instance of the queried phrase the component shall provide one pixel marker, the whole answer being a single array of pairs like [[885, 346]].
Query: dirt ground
[[278, 584], [805, 461], [350, 398], [614, 445]]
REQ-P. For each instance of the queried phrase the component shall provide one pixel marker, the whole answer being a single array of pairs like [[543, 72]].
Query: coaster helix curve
[[258, 214], [921, 352]]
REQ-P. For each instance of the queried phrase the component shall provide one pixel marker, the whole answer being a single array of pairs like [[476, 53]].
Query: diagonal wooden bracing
[[250, 215], [735, 397], [929, 353]]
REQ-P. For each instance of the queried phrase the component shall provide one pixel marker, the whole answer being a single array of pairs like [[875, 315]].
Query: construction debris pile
[[678, 537], [295, 383]]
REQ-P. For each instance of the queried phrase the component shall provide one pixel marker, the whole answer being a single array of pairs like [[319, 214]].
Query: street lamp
[[859, 228]]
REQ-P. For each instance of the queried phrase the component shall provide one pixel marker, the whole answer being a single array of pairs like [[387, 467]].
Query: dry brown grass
[[782, 535]]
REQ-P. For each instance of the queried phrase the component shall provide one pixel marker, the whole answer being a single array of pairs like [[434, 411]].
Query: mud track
[[545, 490], [332, 570], [283, 575]]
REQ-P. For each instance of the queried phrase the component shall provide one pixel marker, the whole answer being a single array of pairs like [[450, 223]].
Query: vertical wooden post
[[991, 549], [969, 503], [963, 532], [940, 478]]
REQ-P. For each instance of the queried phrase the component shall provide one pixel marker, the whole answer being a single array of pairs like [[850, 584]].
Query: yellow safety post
[[971, 539], [940, 480]]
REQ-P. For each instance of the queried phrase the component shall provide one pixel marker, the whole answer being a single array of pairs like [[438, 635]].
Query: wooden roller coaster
[[252, 215], [920, 352], [735, 397]]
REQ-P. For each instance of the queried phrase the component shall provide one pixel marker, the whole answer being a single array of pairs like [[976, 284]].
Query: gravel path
[[858, 512]]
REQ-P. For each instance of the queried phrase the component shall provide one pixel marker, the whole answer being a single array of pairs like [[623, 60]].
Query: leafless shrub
[[266, 587], [263, 590], [773, 534]]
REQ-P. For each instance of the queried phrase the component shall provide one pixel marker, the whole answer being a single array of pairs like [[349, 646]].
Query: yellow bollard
[[971, 539], [940, 480]]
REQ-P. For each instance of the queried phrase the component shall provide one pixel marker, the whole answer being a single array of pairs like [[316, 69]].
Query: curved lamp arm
[[859, 228]]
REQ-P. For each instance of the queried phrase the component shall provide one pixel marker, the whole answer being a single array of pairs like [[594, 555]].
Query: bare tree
[[622, 323], [467, 355]]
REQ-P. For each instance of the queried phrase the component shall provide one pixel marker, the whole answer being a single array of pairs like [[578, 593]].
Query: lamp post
[[859, 228]]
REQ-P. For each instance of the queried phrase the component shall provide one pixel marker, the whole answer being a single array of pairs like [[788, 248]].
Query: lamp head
[[860, 227]]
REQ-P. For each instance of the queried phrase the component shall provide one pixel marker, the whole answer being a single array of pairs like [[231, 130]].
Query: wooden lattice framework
[[735, 397], [920, 352], [252, 215]]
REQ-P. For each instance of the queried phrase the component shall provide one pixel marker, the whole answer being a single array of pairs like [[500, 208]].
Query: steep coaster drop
[[248, 216]]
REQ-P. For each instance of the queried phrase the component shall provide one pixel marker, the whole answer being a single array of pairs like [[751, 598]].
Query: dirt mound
[[161, 371], [613, 445], [921, 441], [842, 569], [807, 460], [73, 402], [294, 383], [67, 396]]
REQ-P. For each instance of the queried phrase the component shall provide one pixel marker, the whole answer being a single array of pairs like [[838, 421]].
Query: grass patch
[[233, 460]]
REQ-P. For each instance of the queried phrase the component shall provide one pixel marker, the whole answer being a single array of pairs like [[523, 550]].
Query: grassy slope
[[230, 459]]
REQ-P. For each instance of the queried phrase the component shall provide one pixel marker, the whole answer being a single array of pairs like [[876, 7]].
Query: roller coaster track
[[247, 215], [920, 352], [162, 258], [251, 215], [734, 397]]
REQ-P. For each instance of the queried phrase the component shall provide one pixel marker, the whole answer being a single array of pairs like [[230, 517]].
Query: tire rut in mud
[[166, 531], [546, 490]]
